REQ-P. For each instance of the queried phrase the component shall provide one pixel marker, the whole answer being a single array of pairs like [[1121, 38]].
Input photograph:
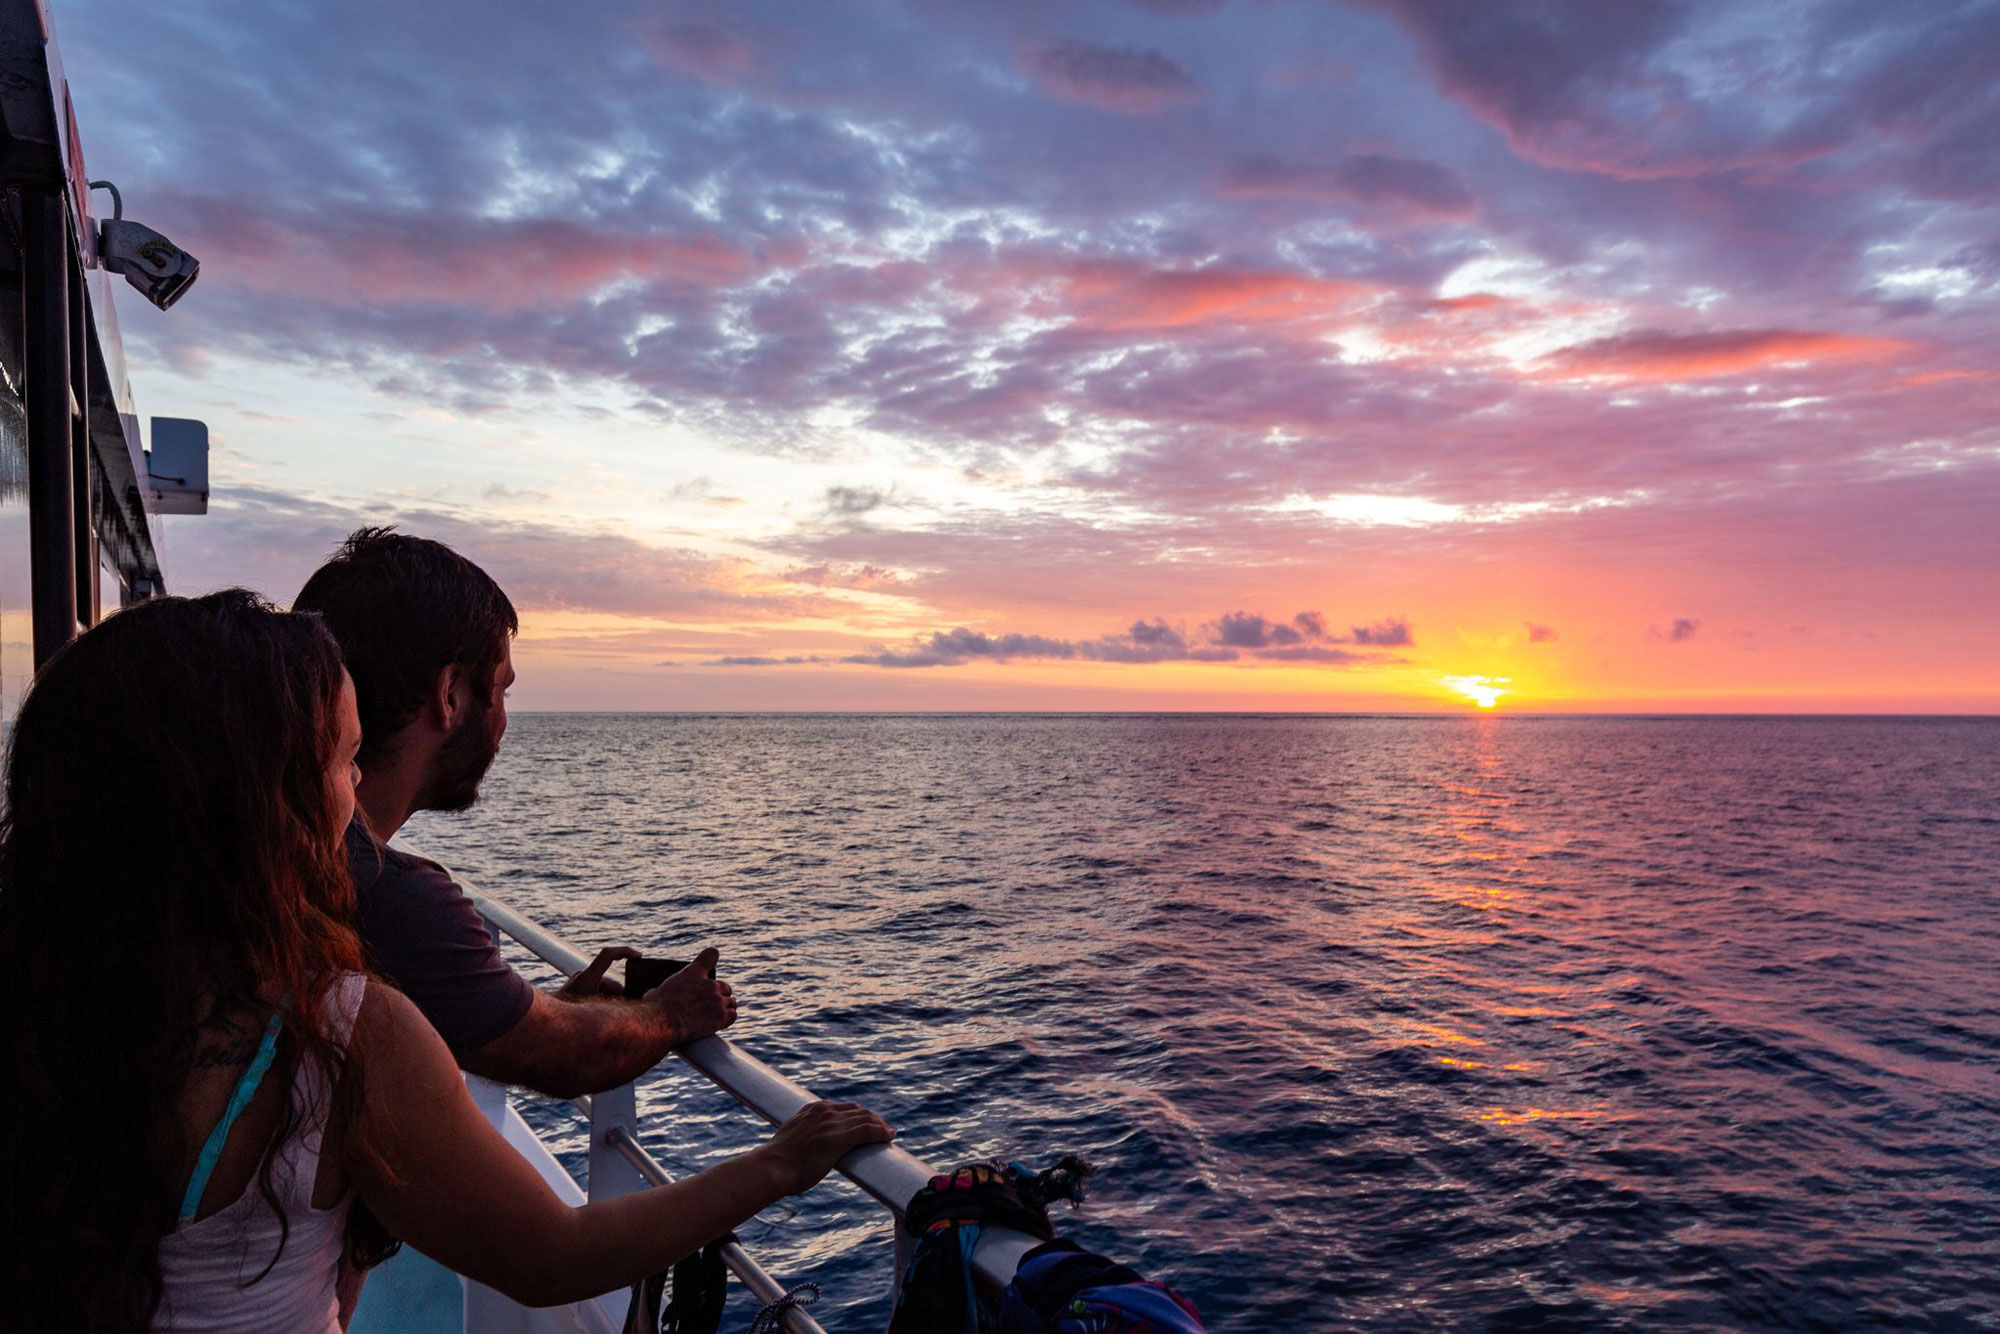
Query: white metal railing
[[619, 1165]]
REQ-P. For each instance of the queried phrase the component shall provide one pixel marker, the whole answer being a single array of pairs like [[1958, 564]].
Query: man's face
[[468, 752]]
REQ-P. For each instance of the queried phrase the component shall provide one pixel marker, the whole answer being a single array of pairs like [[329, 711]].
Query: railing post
[[610, 1172]]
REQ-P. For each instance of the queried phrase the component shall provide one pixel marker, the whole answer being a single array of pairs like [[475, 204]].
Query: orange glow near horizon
[[597, 661]]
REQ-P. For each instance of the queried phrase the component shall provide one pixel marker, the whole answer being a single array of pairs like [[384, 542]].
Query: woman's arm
[[440, 1176]]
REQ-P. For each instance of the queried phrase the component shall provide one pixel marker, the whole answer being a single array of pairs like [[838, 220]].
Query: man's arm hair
[[569, 1045], [567, 1048]]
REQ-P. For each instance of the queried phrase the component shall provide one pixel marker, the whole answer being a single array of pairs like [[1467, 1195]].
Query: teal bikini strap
[[246, 1088]]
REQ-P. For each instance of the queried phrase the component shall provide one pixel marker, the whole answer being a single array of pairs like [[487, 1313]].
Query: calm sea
[[1478, 1023]]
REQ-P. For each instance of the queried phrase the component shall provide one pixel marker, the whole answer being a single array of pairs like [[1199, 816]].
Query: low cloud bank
[[1234, 636]]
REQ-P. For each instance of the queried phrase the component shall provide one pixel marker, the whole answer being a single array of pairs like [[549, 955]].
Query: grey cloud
[[852, 502], [1540, 634], [1682, 630], [496, 491], [791, 660]]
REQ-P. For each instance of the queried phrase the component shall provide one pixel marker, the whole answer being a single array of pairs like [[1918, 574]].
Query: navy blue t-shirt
[[422, 933]]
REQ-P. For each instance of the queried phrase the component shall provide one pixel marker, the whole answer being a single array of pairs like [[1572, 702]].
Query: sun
[[1485, 691]]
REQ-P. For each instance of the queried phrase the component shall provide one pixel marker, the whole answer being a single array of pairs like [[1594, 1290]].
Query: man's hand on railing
[[819, 1135], [695, 1002]]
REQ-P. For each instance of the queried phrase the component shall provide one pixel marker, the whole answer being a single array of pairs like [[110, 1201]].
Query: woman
[[201, 1081]]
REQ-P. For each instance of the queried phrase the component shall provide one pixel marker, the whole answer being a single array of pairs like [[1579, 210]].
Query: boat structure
[[82, 491], [82, 487]]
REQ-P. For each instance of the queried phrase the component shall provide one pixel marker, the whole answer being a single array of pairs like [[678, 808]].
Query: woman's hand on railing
[[694, 1001], [819, 1135]]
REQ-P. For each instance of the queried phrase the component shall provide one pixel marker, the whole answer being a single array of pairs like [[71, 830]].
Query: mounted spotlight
[[161, 270]]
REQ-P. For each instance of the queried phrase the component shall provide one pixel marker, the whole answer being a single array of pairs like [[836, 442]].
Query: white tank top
[[208, 1266]]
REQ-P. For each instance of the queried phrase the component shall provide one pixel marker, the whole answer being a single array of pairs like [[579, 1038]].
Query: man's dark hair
[[404, 609]]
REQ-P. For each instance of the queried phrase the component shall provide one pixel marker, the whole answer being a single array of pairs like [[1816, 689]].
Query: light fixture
[[161, 270]]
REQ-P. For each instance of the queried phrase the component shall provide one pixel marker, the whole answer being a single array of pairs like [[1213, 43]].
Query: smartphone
[[642, 975]]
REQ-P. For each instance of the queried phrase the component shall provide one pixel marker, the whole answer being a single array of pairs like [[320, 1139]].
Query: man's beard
[[461, 762]]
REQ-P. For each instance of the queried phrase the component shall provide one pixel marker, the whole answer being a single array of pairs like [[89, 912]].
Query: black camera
[[642, 975]]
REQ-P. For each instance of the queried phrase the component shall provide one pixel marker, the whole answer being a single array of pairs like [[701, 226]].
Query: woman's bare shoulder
[[391, 1033]]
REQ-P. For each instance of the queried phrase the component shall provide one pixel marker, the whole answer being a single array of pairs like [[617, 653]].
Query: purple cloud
[[1127, 80], [718, 55], [1392, 633], [1229, 638], [1242, 629], [1421, 188]]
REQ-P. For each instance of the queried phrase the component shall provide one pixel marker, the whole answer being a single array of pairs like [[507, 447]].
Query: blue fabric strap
[[246, 1088]]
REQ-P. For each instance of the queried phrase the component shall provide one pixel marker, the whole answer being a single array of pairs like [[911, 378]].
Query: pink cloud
[[1659, 355], [1118, 295], [1926, 378]]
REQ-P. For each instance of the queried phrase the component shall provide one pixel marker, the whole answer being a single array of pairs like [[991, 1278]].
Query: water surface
[[1477, 1023]]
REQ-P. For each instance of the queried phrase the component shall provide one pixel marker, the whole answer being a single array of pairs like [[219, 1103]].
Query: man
[[427, 635]]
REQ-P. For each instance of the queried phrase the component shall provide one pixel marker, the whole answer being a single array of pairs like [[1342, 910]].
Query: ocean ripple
[[1384, 1024]]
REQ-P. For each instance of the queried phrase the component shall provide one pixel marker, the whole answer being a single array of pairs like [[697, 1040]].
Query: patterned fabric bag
[[937, 1294], [1060, 1288]]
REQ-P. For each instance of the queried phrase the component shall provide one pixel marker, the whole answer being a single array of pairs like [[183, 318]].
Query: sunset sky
[[1137, 354]]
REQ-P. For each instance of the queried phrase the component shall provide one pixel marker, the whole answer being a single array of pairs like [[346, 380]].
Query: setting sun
[[1485, 691]]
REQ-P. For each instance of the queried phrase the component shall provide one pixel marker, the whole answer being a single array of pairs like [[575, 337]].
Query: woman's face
[[342, 773]]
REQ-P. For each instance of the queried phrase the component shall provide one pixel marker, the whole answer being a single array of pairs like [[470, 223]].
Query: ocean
[[1367, 1023]]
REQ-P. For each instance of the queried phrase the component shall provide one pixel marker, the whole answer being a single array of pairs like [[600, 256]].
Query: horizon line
[[1269, 713]]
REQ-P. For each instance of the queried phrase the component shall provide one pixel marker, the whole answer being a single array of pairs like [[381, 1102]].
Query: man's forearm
[[566, 1048]]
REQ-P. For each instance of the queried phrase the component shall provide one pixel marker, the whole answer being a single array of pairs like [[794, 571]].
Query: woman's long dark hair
[[167, 855]]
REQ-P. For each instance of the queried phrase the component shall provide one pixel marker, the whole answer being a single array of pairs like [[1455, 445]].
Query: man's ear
[[449, 697]]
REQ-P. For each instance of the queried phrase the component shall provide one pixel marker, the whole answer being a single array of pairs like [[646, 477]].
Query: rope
[[771, 1320]]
